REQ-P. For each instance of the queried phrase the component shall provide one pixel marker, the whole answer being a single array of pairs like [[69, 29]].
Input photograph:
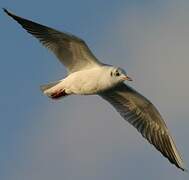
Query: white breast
[[89, 81]]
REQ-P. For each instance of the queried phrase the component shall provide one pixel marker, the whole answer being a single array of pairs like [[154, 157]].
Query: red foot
[[58, 94]]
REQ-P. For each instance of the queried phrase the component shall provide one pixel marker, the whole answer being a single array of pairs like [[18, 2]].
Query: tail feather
[[45, 87], [53, 90]]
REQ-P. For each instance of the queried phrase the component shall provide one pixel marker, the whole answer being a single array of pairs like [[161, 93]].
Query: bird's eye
[[117, 73]]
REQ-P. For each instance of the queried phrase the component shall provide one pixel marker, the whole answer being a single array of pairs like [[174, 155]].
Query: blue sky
[[41, 139]]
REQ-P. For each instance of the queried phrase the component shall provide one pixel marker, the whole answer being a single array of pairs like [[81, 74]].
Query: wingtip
[[7, 12], [183, 168]]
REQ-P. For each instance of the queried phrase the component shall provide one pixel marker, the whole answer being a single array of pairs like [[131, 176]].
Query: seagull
[[88, 76]]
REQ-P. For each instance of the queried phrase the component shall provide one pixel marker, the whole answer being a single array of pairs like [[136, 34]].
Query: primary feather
[[72, 51], [142, 114]]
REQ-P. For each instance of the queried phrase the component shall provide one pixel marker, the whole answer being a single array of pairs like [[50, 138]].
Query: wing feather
[[72, 51], [142, 114]]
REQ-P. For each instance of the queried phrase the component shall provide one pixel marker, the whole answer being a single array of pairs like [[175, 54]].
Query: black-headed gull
[[87, 75]]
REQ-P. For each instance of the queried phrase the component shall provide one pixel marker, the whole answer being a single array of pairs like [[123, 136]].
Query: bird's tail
[[45, 87], [53, 90]]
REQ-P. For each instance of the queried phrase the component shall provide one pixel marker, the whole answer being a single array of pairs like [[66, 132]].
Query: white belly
[[86, 82]]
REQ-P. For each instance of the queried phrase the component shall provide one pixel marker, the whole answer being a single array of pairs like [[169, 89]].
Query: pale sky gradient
[[82, 138]]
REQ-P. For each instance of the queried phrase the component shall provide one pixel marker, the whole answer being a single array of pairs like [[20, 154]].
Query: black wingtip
[[8, 13], [185, 170], [5, 10]]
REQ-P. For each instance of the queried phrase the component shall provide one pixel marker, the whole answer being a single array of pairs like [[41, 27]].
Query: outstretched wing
[[70, 50], [142, 114]]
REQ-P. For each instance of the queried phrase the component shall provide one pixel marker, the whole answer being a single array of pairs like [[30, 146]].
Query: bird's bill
[[127, 78]]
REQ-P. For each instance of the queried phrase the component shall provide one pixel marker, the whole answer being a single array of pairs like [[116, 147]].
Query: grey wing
[[142, 114], [70, 50]]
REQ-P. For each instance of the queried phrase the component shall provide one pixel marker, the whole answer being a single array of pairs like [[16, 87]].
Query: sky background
[[81, 138]]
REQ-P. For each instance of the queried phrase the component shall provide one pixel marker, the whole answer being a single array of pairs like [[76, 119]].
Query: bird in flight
[[88, 76]]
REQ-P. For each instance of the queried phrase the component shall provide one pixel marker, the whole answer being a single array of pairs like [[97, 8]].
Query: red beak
[[127, 78]]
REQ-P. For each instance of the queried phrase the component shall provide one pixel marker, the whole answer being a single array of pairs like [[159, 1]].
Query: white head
[[118, 75]]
